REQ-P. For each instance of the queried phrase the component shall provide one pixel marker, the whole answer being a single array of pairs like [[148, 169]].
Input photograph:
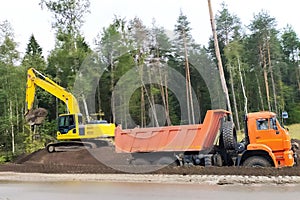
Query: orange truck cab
[[266, 141]]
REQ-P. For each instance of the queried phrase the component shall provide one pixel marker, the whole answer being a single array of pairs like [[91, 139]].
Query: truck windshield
[[273, 123]]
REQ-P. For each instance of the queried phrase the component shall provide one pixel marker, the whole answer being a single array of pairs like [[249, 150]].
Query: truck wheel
[[229, 135], [208, 161], [257, 161], [217, 158]]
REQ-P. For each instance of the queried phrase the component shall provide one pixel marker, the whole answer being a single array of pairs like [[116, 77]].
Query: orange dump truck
[[212, 143]]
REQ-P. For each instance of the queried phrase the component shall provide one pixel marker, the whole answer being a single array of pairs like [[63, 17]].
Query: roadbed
[[148, 178]]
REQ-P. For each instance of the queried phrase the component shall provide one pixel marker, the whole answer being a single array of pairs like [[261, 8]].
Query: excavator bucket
[[36, 116]]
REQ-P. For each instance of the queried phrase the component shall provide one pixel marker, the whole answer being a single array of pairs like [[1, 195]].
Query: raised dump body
[[171, 138]]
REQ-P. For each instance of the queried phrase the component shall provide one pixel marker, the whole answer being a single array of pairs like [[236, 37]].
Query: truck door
[[268, 133]]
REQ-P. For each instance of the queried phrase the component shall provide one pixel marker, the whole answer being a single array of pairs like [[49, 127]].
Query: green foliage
[[33, 56], [2, 159], [33, 145], [294, 114], [38, 136], [68, 14], [6, 157]]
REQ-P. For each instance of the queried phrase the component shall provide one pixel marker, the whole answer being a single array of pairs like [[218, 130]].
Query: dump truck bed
[[194, 137]]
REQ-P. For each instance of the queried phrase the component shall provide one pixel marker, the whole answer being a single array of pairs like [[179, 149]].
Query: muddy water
[[131, 191]]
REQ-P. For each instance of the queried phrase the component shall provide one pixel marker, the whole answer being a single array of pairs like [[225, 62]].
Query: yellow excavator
[[72, 132]]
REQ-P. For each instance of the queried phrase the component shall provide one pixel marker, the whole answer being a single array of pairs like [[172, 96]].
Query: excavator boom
[[35, 78]]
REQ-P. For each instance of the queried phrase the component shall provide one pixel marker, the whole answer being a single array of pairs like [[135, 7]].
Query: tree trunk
[[152, 107], [143, 116], [187, 97], [272, 78], [188, 82], [99, 99], [113, 109], [151, 100], [267, 84], [298, 76], [17, 114], [260, 93], [243, 88], [234, 99], [265, 74], [12, 128], [217, 51], [164, 94]]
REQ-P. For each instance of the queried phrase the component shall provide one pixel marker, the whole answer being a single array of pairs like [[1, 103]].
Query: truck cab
[[267, 140]]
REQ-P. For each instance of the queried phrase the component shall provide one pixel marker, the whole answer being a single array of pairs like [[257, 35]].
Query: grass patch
[[294, 130]]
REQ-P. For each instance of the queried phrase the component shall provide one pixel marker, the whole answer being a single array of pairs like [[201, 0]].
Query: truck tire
[[218, 161], [208, 161], [228, 134], [257, 161]]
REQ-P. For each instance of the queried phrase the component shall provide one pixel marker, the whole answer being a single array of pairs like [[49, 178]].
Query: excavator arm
[[37, 79]]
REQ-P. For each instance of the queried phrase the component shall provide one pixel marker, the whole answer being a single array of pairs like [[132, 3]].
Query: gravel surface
[[149, 178]]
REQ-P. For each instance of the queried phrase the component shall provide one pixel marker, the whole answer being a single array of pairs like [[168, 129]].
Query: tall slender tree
[[70, 49], [218, 56], [182, 43], [264, 31], [228, 28], [9, 87]]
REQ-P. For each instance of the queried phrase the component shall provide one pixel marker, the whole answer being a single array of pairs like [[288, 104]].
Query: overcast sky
[[27, 17]]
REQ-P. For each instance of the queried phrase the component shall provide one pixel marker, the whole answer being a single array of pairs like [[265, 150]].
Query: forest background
[[261, 66]]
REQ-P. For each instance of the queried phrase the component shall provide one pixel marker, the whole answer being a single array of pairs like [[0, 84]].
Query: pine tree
[[34, 55], [228, 27], [183, 44]]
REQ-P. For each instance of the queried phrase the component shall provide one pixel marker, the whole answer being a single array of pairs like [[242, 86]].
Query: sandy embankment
[[143, 178]]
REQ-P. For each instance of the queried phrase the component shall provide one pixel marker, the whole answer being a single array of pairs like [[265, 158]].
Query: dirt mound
[[103, 155], [105, 160]]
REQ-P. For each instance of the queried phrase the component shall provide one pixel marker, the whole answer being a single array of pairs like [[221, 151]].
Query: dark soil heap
[[105, 160]]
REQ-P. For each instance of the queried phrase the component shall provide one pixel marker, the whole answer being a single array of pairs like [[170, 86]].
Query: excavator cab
[[66, 123], [70, 126]]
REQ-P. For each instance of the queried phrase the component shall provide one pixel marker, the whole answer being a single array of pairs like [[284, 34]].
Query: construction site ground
[[105, 161]]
